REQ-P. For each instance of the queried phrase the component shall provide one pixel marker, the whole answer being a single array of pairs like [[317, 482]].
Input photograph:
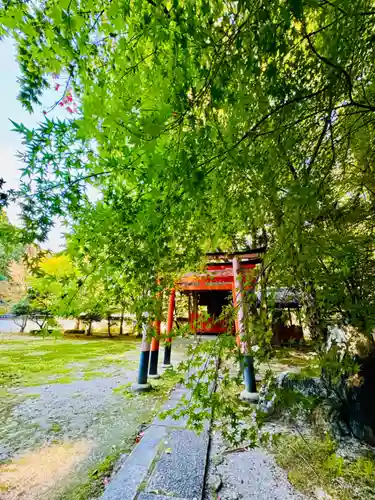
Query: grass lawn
[[32, 362]]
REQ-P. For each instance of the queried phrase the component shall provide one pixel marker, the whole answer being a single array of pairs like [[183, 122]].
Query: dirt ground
[[65, 406]]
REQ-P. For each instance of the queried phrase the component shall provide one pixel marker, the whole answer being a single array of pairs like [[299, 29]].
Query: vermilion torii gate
[[225, 279]]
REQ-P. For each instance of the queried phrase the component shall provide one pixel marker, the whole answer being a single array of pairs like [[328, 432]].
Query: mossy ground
[[312, 463], [83, 459], [160, 387]]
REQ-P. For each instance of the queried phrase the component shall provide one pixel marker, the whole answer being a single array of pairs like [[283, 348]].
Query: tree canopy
[[200, 123]]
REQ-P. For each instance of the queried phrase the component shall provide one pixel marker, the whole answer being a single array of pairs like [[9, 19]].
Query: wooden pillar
[[168, 343], [247, 360], [142, 384], [154, 355], [236, 327], [155, 342], [195, 312], [189, 311]]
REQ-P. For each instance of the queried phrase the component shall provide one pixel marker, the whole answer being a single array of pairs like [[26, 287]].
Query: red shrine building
[[211, 290], [225, 278]]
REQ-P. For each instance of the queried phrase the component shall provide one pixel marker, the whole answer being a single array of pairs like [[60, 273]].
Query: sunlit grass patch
[[35, 362], [59, 380], [33, 474], [306, 361], [92, 374]]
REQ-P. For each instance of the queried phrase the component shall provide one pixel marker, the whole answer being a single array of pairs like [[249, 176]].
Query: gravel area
[[246, 475], [63, 411]]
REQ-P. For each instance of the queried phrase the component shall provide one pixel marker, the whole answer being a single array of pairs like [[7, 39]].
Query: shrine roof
[[217, 275]]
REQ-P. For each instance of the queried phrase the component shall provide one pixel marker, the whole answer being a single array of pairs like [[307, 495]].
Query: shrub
[[74, 332]]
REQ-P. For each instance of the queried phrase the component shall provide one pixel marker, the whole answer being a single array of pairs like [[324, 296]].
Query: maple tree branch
[[165, 10], [344, 72]]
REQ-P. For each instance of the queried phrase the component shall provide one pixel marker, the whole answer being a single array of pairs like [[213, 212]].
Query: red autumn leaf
[[139, 437], [57, 86]]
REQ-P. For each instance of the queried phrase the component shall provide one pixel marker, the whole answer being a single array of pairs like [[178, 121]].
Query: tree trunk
[[109, 326], [21, 321], [122, 321], [41, 323], [23, 324], [89, 329], [318, 330]]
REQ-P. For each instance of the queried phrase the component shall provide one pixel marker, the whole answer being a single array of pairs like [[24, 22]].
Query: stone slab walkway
[[168, 463]]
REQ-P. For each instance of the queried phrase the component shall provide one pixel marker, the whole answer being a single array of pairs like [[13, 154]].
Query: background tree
[[11, 248], [22, 311]]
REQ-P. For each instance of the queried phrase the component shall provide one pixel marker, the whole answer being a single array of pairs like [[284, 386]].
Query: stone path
[[169, 462]]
